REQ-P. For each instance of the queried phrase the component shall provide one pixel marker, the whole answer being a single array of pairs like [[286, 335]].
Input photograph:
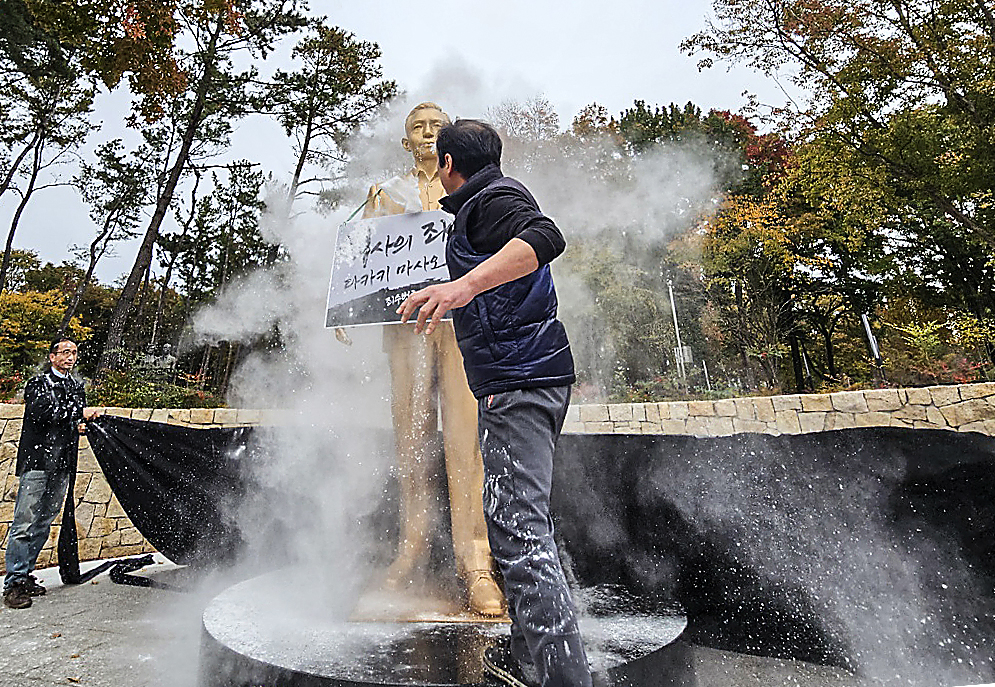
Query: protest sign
[[378, 262]]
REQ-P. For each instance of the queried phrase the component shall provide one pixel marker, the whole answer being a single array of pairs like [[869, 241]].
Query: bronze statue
[[416, 362]]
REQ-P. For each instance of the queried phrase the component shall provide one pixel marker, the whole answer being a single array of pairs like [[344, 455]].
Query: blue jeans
[[39, 497], [518, 432]]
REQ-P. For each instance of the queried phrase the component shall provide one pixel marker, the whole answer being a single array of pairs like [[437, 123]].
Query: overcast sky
[[478, 54]]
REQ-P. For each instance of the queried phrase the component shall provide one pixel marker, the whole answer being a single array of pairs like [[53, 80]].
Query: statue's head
[[421, 128]]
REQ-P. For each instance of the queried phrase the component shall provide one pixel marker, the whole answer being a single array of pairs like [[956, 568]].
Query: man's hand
[[433, 302], [88, 414]]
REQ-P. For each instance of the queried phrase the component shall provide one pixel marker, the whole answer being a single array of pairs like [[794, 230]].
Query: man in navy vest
[[520, 369]]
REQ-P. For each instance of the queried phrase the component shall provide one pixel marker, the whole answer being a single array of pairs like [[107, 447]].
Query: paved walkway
[[102, 634]]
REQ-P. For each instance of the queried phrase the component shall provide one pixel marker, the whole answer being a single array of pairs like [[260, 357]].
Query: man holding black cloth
[[519, 367], [54, 410]]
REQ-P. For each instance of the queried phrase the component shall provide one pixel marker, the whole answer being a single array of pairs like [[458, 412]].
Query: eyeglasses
[[66, 351]]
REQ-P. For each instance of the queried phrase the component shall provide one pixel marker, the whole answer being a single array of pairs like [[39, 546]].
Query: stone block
[[160, 415], [12, 431], [112, 539], [201, 416], [719, 426], [44, 558], [812, 421], [599, 428], [673, 427], [919, 396], [725, 408], [114, 509], [82, 483], [639, 412], [11, 411], [678, 410], [229, 416], [869, 419], [664, 410], [98, 491], [748, 426], [250, 417], [84, 518], [652, 412], [911, 413], [179, 416], [944, 395], [143, 414], [620, 412], [787, 422], [701, 409], [935, 417], [849, 401], [881, 400], [898, 422], [118, 412], [8, 452], [978, 427], [839, 421], [966, 412], [649, 427], [86, 461], [101, 527], [745, 409], [927, 425], [697, 426], [131, 536], [765, 409], [982, 390], [573, 414], [627, 428], [53, 536], [7, 511], [816, 403], [120, 551], [89, 549], [594, 412], [791, 402], [573, 428]]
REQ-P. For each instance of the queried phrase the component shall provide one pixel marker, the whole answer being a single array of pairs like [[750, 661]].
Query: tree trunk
[[144, 258], [796, 364], [7, 180], [35, 168]]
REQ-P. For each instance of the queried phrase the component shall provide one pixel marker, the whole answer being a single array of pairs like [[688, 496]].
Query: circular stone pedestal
[[273, 631]]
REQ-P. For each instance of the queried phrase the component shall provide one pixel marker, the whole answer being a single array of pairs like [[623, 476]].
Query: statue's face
[[420, 130]]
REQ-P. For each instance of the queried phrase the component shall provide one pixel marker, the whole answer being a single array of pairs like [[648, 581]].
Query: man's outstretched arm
[[516, 259]]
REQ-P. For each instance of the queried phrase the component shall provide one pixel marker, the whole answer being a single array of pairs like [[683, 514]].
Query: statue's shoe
[[484, 596]]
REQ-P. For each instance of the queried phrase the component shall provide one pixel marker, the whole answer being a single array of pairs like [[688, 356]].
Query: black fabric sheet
[[762, 539], [180, 487]]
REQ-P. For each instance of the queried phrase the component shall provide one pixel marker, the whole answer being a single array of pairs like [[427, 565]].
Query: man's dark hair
[[471, 143], [54, 347]]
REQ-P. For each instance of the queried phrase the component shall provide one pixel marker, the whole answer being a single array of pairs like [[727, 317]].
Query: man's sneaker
[[32, 588], [16, 596], [506, 669]]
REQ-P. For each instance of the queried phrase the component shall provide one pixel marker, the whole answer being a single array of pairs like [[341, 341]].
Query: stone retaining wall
[[105, 531], [963, 408]]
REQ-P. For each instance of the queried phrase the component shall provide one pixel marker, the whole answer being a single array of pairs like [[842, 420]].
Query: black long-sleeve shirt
[[503, 215]]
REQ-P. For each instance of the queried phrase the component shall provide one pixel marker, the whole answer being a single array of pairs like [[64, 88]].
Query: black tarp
[[767, 541], [181, 487]]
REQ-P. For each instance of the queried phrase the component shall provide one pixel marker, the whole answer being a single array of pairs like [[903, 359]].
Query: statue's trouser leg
[[518, 432], [413, 407], [464, 465]]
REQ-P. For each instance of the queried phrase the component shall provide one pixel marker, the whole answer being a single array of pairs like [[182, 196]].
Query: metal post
[[677, 331]]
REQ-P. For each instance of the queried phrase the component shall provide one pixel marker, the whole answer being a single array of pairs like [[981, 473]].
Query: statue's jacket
[[53, 409], [509, 336]]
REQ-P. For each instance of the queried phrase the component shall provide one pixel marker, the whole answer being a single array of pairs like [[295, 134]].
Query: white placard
[[379, 262]]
